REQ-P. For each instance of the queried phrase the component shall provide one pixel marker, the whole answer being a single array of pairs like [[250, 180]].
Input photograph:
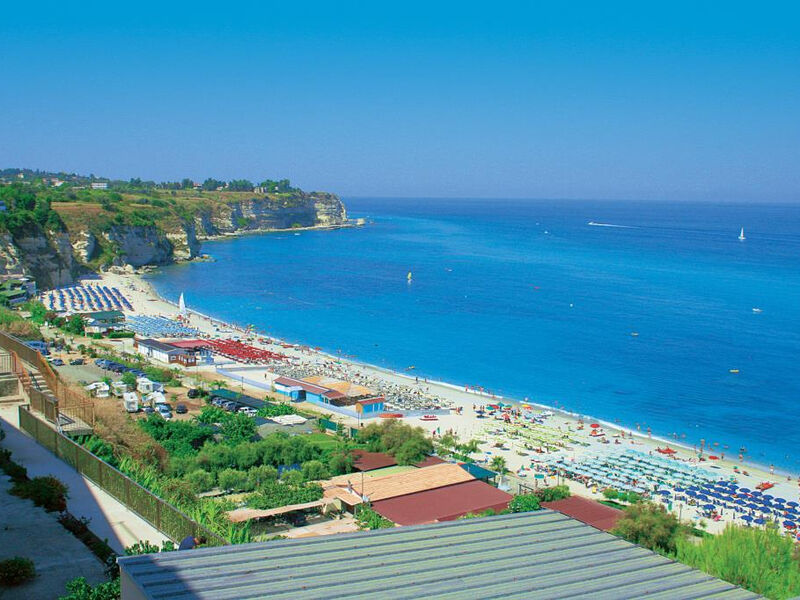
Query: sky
[[650, 101]]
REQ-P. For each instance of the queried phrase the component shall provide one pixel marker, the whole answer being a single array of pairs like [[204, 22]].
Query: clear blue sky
[[493, 99]]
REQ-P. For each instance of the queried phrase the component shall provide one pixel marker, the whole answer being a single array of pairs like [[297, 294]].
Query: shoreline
[[458, 394]]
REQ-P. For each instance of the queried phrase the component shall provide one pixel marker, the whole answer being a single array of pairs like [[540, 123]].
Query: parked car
[[163, 406], [249, 411], [193, 393], [164, 411], [57, 362], [217, 401], [181, 409], [230, 405], [77, 361], [101, 362], [148, 410]]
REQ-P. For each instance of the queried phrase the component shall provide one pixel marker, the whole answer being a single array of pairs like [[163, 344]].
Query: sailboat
[[741, 235], [182, 305], [409, 277]]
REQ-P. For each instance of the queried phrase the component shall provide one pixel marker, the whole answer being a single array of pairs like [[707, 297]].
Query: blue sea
[[525, 298]]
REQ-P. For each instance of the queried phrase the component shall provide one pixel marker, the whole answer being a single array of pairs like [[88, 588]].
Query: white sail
[[181, 305], [741, 235]]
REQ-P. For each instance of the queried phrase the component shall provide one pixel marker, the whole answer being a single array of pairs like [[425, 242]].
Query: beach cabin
[[118, 388], [164, 352], [98, 389], [104, 321], [290, 387], [369, 407]]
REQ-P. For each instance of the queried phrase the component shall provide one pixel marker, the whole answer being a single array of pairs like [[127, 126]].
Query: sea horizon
[[525, 298]]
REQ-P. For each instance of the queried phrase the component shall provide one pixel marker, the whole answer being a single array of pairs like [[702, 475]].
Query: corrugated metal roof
[[542, 554]]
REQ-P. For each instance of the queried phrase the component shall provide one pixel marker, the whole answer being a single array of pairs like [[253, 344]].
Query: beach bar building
[[534, 555], [341, 396], [165, 352]]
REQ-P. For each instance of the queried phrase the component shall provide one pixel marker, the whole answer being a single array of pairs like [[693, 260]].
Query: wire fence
[[160, 514]]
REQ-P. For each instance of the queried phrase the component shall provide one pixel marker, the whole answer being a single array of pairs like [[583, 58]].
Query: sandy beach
[[571, 435]]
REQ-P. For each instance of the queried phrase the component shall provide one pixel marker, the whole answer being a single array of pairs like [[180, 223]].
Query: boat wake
[[596, 224]]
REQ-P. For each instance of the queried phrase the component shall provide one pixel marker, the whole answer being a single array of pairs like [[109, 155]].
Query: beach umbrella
[[766, 496], [745, 490], [664, 492], [747, 518], [595, 425], [709, 507], [759, 521], [789, 524], [781, 500], [792, 503]]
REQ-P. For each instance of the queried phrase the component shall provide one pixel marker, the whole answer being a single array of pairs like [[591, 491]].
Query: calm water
[[528, 300]]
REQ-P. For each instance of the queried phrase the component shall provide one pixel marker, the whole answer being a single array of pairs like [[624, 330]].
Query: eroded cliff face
[[56, 258], [46, 257], [316, 209]]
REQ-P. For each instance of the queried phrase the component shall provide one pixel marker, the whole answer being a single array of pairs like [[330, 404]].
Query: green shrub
[[17, 570], [611, 493], [233, 480], [650, 525], [524, 503], [367, 518], [275, 493], [15, 471], [552, 494], [314, 470], [760, 560], [80, 589], [47, 492], [201, 481], [260, 475]]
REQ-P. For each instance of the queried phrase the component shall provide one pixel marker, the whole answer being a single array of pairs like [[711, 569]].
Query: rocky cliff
[[93, 240]]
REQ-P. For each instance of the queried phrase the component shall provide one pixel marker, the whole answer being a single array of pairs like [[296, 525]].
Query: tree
[[187, 183], [200, 480], [239, 428], [314, 470], [651, 526], [75, 325], [341, 462], [211, 184], [524, 503], [240, 185], [129, 379], [261, 475], [232, 480], [413, 450], [499, 464]]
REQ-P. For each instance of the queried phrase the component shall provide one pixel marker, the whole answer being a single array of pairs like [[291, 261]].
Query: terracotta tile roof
[[588, 511], [346, 388], [443, 504], [369, 461], [399, 484]]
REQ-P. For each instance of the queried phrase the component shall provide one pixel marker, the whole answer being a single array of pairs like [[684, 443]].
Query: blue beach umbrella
[[746, 491], [759, 521], [747, 518], [789, 524], [709, 507]]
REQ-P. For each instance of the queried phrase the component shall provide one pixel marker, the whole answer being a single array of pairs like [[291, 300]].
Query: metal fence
[[159, 513], [76, 407]]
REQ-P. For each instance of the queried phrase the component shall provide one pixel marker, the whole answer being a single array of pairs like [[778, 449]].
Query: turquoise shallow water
[[528, 300]]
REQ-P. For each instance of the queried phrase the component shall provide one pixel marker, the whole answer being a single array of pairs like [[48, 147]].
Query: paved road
[[110, 519]]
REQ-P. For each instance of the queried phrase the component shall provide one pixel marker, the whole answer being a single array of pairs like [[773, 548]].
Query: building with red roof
[[443, 504]]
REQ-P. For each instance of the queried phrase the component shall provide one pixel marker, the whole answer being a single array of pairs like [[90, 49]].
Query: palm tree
[[218, 384], [498, 464]]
